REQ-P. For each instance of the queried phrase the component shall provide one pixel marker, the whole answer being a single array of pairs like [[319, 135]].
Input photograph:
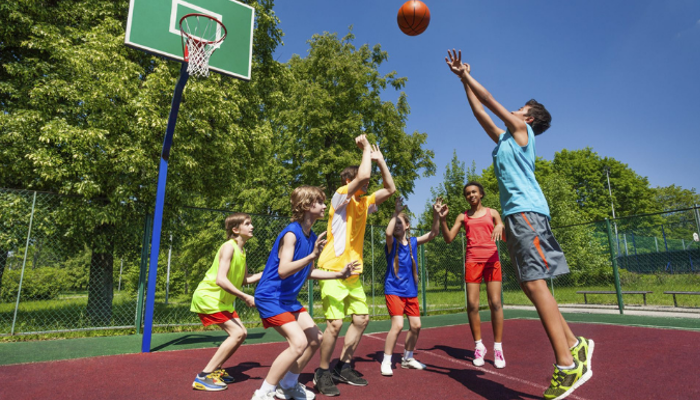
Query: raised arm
[[365, 170], [450, 234], [222, 276], [389, 188], [516, 126], [288, 266], [435, 228], [398, 207]]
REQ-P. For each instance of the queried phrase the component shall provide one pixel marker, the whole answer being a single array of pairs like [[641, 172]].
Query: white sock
[[387, 359], [267, 387], [498, 346], [407, 354], [577, 342], [569, 367], [289, 380], [479, 344]]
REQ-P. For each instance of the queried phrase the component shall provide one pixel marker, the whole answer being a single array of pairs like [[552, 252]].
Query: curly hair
[[542, 117]]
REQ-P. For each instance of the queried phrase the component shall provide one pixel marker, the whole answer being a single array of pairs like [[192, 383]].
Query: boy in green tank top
[[214, 300]]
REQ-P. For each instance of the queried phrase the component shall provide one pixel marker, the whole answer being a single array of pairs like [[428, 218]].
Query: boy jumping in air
[[346, 233], [535, 253]]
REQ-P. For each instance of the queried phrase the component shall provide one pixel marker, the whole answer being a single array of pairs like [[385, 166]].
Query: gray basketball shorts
[[533, 250]]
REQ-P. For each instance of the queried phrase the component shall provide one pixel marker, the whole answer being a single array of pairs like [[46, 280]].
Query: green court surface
[[50, 350]]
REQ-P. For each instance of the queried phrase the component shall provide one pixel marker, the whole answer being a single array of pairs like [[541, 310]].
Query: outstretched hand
[[376, 154], [399, 206], [440, 208], [361, 141], [318, 246], [454, 61], [352, 268]]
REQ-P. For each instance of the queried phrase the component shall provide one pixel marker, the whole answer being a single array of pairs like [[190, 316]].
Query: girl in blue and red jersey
[[401, 283]]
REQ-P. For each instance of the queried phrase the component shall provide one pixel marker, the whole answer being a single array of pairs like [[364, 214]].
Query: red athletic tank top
[[480, 247]]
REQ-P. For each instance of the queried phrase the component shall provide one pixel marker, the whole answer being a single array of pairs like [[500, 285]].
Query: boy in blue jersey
[[288, 267], [535, 253]]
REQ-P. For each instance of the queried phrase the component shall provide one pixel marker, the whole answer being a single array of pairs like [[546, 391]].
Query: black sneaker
[[349, 376], [324, 383]]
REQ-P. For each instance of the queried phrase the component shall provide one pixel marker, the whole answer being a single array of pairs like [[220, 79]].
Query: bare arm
[[389, 188], [222, 276], [517, 127], [450, 234], [288, 266], [350, 269], [498, 226], [365, 170], [398, 207], [435, 228], [251, 278]]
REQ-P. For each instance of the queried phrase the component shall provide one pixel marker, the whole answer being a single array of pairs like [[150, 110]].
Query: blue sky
[[621, 77]]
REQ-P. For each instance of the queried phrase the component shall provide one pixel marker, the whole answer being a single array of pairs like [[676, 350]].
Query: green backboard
[[154, 26]]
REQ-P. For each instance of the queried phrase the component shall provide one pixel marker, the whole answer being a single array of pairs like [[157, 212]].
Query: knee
[[396, 326], [298, 346], [495, 305], [316, 340], [334, 326], [473, 306], [239, 335], [415, 326], [360, 321]]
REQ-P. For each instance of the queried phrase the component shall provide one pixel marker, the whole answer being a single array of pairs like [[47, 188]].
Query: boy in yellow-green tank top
[[214, 300]]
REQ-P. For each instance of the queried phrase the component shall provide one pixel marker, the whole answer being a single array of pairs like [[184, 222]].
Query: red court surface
[[628, 363]]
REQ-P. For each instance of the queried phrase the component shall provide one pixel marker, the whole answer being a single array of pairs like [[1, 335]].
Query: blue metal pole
[[158, 213]]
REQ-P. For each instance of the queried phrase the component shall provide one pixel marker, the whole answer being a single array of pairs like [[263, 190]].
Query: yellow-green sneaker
[[565, 381], [583, 352], [224, 376]]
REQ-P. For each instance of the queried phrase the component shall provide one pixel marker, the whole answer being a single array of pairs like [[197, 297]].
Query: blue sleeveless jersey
[[403, 285], [515, 171], [274, 295]]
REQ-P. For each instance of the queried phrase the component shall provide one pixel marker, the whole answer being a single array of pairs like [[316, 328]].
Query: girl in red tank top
[[482, 226]]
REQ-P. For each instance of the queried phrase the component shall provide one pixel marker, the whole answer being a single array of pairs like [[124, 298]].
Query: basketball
[[413, 18]]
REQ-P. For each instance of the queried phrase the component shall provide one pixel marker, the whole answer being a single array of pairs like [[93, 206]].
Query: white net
[[201, 36]]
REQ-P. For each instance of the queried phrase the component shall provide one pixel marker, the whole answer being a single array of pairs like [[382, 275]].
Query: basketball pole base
[[158, 213]]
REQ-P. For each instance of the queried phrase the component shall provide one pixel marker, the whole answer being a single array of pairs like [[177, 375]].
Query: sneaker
[[210, 383], [498, 360], [258, 395], [411, 363], [224, 376], [479, 354], [583, 352], [349, 376], [565, 381], [387, 370], [298, 392], [324, 383]]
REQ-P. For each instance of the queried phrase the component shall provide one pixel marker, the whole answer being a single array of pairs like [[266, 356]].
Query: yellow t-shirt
[[346, 229], [210, 298]]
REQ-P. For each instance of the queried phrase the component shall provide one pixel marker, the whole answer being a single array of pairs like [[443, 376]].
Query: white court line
[[488, 371]]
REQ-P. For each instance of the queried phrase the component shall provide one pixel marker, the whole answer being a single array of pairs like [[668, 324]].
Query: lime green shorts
[[343, 297]]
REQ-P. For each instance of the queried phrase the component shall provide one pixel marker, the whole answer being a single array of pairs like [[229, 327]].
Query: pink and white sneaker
[[479, 354], [498, 360]]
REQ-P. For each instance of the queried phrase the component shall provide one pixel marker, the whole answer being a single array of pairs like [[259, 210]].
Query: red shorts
[[490, 271], [398, 305], [217, 318], [281, 319]]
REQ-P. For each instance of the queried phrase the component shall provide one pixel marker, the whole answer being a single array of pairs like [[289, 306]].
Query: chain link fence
[[63, 268]]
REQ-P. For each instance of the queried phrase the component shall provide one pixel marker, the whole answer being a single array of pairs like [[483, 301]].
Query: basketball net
[[201, 36]]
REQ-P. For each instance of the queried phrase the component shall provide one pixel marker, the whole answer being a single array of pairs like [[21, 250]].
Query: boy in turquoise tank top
[[214, 300], [535, 253]]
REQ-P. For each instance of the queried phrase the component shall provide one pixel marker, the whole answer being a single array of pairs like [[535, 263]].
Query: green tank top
[[210, 298]]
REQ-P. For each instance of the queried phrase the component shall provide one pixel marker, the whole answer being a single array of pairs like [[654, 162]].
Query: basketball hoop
[[201, 36]]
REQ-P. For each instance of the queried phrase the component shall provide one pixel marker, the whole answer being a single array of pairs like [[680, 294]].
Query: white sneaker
[[387, 370], [258, 395], [411, 363], [479, 354], [498, 360], [298, 392]]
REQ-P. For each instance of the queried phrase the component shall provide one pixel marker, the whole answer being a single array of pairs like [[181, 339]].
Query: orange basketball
[[413, 17]]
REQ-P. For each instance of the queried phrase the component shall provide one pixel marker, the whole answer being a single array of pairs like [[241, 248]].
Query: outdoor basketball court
[[629, 362]]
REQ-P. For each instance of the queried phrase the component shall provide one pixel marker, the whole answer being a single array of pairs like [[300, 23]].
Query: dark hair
[[474, 183], [542, 118], [234, 221], [349, 174]]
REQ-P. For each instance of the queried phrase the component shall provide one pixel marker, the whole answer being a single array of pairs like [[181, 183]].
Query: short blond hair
[[302, 198], [234, 221]]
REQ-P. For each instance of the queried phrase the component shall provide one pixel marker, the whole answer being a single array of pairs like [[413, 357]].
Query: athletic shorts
[[489, 271], [281, 319], [533, 250], [342, 297], [217, 318], [398, 306]]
